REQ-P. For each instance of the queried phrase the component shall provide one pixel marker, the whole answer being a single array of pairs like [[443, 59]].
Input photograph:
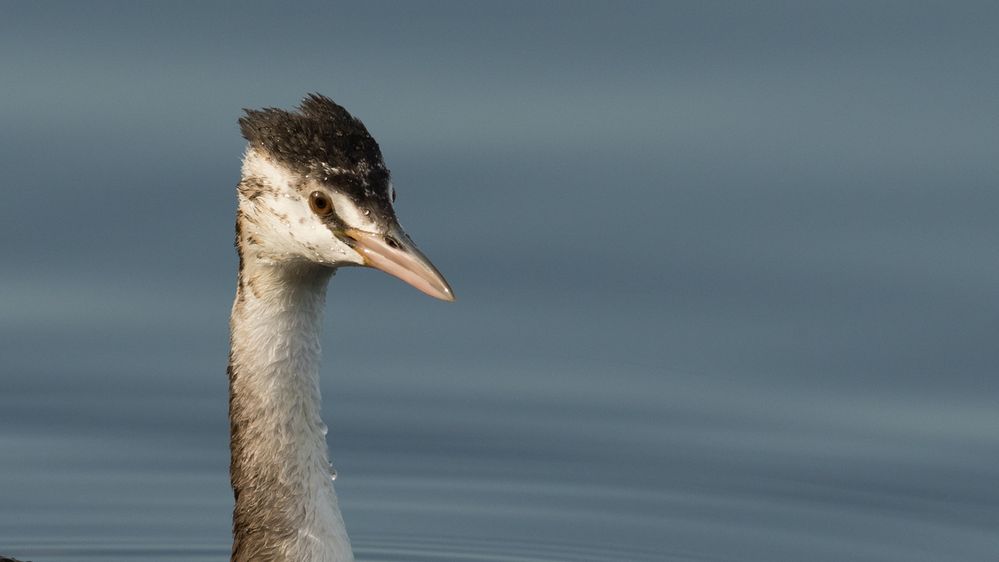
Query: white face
[[282, 224], [286, 219]]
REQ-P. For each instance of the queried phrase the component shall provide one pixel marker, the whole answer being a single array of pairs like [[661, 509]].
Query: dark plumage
[[320, 138]]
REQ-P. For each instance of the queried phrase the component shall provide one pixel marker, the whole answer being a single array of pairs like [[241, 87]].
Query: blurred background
[[727, 277]]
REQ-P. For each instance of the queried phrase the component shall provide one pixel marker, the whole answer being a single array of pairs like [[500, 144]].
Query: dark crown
[[319, 137]]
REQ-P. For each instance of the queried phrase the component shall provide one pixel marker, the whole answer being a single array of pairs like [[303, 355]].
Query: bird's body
[[314, 196]]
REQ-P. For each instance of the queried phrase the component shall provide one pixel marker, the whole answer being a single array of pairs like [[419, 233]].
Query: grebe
[[314, 196]]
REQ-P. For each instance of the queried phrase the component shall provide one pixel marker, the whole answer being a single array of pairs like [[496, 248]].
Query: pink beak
[[395, 254]]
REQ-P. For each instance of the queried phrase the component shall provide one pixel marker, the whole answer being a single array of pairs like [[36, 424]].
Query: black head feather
[[320, 138]]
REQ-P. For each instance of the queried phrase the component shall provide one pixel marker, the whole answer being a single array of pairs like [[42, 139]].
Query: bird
[[314, 196]]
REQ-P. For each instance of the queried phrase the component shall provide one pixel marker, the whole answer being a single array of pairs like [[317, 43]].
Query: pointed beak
[[395, 254]]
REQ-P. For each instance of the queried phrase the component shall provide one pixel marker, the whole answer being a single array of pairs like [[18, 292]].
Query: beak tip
[[442, 293]]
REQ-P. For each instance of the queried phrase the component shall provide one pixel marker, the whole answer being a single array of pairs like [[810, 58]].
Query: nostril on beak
[[392, 242]]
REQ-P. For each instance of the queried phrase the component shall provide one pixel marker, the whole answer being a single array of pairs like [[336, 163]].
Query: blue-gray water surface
[[727, 278]]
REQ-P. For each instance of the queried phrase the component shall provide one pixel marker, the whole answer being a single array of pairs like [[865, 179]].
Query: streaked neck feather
[[286, 508]]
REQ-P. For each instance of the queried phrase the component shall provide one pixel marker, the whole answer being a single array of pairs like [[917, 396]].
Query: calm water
[[727, 276]]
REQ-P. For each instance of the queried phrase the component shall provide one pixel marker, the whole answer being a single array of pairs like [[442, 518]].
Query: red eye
[[320, 204]]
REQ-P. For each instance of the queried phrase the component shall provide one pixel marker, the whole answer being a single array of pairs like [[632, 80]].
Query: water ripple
[[402, 548]]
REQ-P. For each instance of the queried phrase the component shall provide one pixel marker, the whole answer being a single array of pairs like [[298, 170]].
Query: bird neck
[[286, 508]]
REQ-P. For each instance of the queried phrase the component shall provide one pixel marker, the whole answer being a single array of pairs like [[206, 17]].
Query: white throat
[[286, 508]]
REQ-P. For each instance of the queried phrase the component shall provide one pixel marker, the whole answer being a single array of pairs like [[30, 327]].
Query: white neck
[[286, 508]]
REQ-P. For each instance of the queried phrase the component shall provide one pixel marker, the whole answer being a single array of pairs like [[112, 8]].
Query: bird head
[[315, 188]]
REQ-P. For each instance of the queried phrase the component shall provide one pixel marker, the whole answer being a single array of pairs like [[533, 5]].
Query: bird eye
[[320, 204]]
